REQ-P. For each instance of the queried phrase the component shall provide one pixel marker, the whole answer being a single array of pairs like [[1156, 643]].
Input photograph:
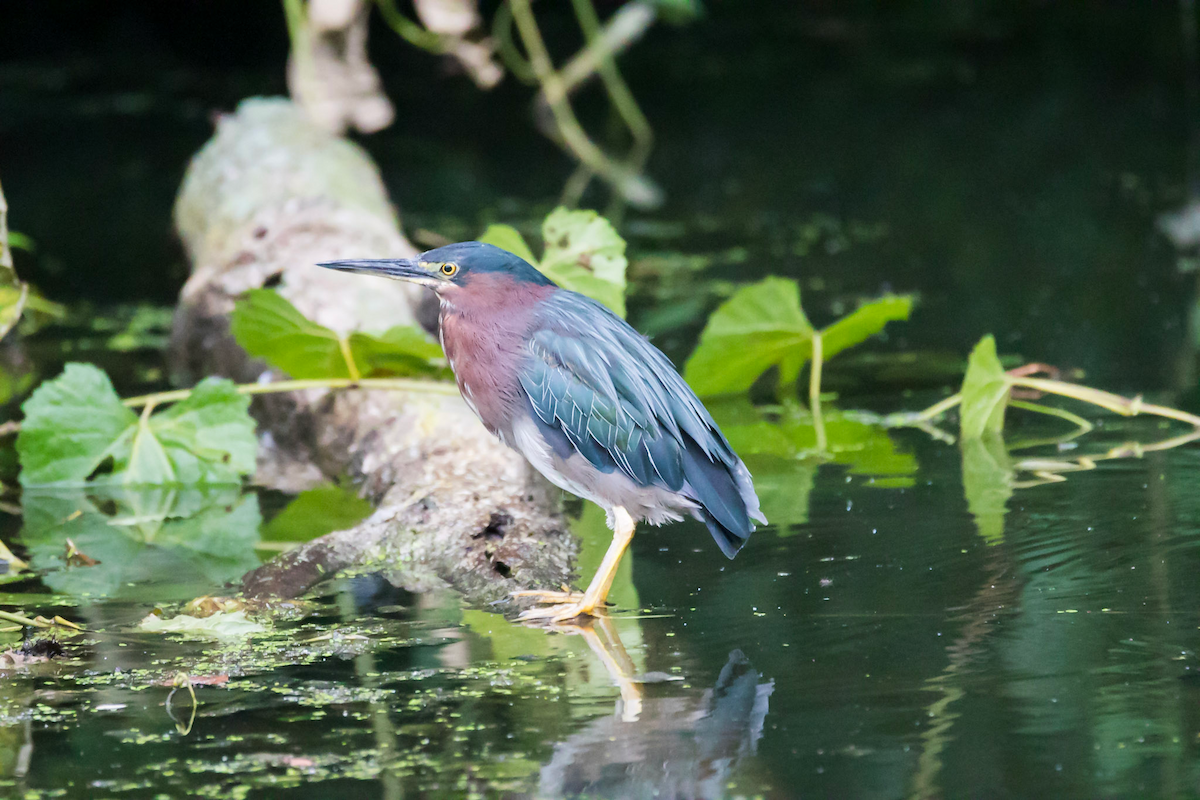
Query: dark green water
[[916, 622], [883, 648]]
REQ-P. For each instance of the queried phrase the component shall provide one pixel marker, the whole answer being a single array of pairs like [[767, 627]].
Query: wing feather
[[621, 404]]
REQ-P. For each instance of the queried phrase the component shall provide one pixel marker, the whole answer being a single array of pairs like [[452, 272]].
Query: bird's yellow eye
[[449, 269]]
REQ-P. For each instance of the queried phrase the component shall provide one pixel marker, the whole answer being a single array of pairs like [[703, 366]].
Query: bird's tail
[[729, 540], [728, 503]]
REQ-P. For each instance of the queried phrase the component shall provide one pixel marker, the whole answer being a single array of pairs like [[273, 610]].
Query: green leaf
[[317, 512], [207, 438], [400, 351], [269, 327], [988, 484], [506, 237], [780, 452], [221, 625], [76, 423], [154, 544], [72, 424], [678, 12], [19, 241], [868, 320], [761, 326], [985, 392], [584, 253]]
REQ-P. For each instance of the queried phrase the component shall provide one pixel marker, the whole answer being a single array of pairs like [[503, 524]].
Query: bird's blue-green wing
[[600, 389]]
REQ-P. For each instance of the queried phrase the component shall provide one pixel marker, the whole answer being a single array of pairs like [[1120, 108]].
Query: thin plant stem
[[182, 681], [935, 410], [296, 15], [351, 367], [408, 30], [814, 391], [576, 185], [517, 64], [392, 384], [618, 90], [1076, 420], [1115, 403], [574, 138]]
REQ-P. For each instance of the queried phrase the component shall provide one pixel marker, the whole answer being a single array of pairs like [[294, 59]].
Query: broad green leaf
[[221, 625], [72, 424], [985, 392], [867, 450], [75, 423], [269, 327], [317, 512], [866, 321], [19, 241], [400, 351], [761, 326], [987, 483], [506, 237], [608, 294], [678, 12], [781, 454], [584, 253], [207, 438], [155, 544]]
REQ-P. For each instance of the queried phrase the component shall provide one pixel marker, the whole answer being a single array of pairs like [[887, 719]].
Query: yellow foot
[[540, 596], [561, 606], [558, 612]]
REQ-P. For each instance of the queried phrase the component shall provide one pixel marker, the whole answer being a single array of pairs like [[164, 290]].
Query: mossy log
[[268, 197]]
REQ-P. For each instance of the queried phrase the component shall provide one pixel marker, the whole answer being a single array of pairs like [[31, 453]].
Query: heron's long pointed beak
[[403, 269]]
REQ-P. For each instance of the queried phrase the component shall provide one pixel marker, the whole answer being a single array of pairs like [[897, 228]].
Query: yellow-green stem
[[1124, 406], [409, 30], [351, 367], [391, 384], [814, 391], [935, 410], [573, 136], [296, 15], [1076, 420]]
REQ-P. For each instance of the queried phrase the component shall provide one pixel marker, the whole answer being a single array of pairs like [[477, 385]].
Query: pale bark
[[265, 200]]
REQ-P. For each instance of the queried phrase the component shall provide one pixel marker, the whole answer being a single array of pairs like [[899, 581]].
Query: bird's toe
[[555, 598], [557, 613]]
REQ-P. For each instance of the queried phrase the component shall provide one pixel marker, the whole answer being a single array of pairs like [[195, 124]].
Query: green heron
[[590, 403]]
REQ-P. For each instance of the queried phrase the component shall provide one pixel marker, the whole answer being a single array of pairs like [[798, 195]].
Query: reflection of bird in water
[[683, 747]]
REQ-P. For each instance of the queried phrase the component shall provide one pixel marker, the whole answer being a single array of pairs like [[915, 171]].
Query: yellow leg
[[566, 606]]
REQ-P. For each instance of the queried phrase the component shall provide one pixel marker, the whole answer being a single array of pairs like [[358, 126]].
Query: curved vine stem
[[408, 30]]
